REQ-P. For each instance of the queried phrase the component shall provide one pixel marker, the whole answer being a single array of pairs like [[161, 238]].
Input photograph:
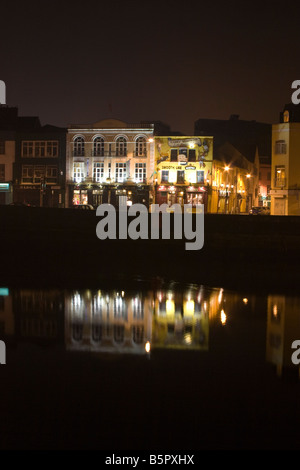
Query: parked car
[[86, 207], [260, 210]]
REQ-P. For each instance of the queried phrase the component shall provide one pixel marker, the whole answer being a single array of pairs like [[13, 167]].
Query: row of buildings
[[227, 165]]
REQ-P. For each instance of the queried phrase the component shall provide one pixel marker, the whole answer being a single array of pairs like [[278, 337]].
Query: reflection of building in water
[[7, 321], [39, 314], [283, 328], [108, 321], [180, 320]]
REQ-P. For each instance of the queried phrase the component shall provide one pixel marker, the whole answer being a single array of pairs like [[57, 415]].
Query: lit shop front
[[109, 194], [183, 170], [6, 192], [170, 194]]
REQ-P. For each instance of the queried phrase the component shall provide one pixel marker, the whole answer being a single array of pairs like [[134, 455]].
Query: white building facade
[[108, 160]]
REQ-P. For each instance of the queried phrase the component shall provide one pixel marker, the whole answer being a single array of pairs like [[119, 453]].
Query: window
[[2, 172], [180, 176], [51, 148], [140, 172], [165, 176], [121, 147], [51, 174], [98, 172], [27, 173], [200, 176], [40, 148], [140, 147], [27, 149], [98, 147], [280, 175], [280, 147], [174, 155], [183, 151], [2, 146], [192, 155], [78, 147], [78, 172], [39, 173], [120, 172], [286, 116]]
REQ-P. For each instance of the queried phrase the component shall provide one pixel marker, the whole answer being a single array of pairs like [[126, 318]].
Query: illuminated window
[[98, 172], [286, 116], [120, 172], [2, 146], [121, 147], [165, 176], [200, 176], [280, 178], [2, 172], [78, 147], [98, 147], [140, 172], [78, 171], [140, 147], [280, 147], [180, 176]]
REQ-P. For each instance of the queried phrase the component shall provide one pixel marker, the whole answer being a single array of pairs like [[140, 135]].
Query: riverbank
[[59, 248]]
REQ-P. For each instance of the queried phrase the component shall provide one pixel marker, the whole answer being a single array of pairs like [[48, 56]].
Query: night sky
[[81, 62]]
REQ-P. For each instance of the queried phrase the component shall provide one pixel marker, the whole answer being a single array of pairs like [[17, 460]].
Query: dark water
[[170, 367]]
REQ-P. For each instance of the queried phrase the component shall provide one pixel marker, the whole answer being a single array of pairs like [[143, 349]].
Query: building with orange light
[[285, 185]]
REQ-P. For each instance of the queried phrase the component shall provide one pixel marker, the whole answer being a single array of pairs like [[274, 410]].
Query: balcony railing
[[116, 153], [280, 182]]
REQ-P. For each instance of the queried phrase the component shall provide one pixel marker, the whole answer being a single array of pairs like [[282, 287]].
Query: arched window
[[121, 147], [98, 147], [140, 147], [78, 147]]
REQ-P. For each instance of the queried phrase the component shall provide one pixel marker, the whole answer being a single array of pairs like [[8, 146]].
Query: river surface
[[170, 366]]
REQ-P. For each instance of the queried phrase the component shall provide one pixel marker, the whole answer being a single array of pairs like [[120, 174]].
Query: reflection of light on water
[[147, 347], [245, 300], [220, 296], [188, 338], [223, 317]]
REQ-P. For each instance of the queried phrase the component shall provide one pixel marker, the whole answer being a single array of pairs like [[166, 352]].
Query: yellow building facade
[[285, 176], [183, 170]]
